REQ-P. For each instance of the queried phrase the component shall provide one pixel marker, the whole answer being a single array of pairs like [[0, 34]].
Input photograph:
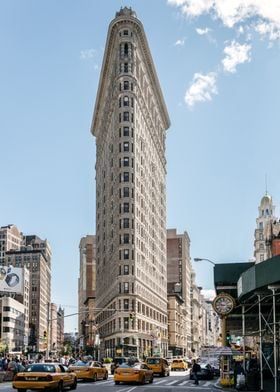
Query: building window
[[125, 116], [126, 269], [125, 207], [125, 131], [126, 161], [126, 304], [126, 146], [126, 223], [126, 191], [126, 238], [125, 68], [126, 85], [125, 32], [125, 101], [126, 176], [126, 287], [126, 49], [126, 254]]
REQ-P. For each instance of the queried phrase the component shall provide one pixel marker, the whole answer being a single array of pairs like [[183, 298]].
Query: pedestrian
[[195, 369], [239, 376]]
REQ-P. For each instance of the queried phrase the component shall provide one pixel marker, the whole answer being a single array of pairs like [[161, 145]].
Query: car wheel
[[59, 387], [105, 376], [143, 380], [94, 378], [162, 373], [151, 380], [117, 382], [74, 385], [21, 390]]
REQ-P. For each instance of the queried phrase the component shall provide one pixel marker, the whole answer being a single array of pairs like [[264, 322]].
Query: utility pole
[[48, 331]]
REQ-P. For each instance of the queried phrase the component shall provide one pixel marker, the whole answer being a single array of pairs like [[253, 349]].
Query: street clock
[[223, 304]]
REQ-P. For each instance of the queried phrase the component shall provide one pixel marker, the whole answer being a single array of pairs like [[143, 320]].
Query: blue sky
[[218, 65]]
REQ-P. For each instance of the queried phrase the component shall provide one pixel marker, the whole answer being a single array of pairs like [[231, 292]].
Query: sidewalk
[[267, 387]]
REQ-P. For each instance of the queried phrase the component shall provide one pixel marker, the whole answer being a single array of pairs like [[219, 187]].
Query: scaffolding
[[266, 308]]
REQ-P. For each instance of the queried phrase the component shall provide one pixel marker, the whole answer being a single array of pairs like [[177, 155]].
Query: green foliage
[[107, 360]]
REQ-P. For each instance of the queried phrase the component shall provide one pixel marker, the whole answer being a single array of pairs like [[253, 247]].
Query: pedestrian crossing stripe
[[161, 383]]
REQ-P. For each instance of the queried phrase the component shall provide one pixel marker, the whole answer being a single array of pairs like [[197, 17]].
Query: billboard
[[11, 279]]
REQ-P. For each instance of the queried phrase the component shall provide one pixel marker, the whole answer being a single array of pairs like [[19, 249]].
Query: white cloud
[[87, 54], [180, 42], [192, 7], [268, 30], [202, 31], [208, 294], [231, 12], [236, 54], [202, 89]]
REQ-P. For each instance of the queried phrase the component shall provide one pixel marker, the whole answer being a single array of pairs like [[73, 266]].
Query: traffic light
[[228, 339], [45, 334]]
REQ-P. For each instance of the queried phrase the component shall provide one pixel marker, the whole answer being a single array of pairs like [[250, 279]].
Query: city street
[[166, 384]]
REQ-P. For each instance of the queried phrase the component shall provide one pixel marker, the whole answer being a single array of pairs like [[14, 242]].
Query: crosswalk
[[163, 382]]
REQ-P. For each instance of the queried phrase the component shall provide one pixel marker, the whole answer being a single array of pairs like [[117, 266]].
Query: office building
[[129, 123], [35, 255], [87, 292], [179, 271]]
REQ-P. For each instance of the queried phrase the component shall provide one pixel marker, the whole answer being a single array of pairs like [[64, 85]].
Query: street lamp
[[200, 259]]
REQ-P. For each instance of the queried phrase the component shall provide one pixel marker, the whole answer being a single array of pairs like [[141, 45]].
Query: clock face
[[223, 303]]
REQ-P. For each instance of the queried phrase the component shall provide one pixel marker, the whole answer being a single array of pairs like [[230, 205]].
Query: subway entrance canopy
[[256, 316]]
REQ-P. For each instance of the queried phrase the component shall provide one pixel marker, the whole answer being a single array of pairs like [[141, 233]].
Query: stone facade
[[262, 250], [179, 271], [129, 122]]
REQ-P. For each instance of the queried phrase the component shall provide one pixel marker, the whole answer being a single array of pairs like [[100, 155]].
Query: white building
[[130, 122], [13, 326], [266, 217]]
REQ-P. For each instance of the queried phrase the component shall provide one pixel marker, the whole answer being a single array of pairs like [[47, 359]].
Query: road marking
[[184, 382], [159, 382], [172, 382]]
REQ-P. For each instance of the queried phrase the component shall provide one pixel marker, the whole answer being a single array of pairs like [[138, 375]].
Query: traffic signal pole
[[48, 331]]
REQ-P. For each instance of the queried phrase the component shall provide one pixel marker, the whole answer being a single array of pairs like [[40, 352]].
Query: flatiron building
[[129, 123]]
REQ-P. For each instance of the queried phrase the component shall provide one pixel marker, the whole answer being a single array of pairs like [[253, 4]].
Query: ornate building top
[[126, 12]]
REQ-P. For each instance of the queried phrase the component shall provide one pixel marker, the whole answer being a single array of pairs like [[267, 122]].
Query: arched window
[[125, 101]]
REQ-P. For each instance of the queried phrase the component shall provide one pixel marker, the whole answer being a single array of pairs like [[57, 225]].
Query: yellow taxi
[[45, 376], [158, 365], [179, 364], [91, 370], [137, 373]]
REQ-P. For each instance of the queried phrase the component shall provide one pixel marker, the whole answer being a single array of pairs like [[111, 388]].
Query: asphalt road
[[176, 380]]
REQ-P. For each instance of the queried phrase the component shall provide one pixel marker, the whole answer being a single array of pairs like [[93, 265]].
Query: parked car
[[39, 376], [206, 372], [92, 370], [158, 365], [179, 364], [138, 373], [215, 368]]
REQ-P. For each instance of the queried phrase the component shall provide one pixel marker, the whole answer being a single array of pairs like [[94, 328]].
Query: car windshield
[[41, 367], [95, 364], [154, 361], [125, 365], [204, 365]]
